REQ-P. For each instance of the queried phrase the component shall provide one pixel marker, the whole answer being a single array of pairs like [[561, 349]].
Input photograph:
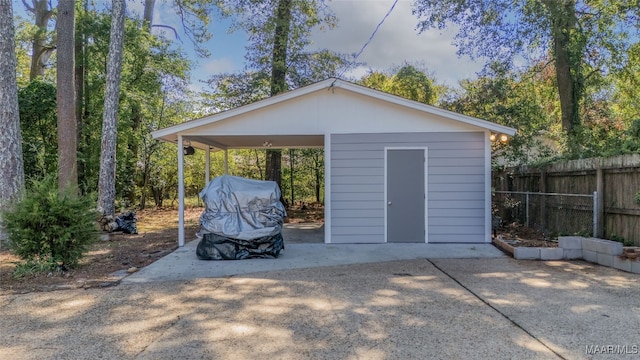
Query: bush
[[51, 228]]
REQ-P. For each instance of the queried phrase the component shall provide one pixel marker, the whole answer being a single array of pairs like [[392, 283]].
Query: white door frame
[[426, 182]]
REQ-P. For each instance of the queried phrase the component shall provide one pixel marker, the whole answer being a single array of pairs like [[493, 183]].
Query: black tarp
[[127, 222], [216, 247]]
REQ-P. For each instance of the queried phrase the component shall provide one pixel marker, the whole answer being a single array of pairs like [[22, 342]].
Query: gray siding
[[455, 183]]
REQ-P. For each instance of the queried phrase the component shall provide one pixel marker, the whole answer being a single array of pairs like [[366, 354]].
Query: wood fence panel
[[621, 181]]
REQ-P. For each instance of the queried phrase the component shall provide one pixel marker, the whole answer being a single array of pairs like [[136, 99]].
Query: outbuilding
[[396, 170]]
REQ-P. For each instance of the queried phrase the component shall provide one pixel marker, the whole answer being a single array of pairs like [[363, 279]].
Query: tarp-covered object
[[216, 247], [242, 218]]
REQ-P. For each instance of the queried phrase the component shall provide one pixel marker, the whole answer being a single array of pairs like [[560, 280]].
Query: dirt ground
[[157, 237], [525, 236]]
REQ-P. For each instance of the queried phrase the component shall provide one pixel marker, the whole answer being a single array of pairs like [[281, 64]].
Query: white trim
[[426, 187], [327, 188], [487, 186], [180, 192]]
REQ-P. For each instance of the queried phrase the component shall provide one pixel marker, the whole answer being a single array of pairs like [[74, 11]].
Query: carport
[[395, 170]]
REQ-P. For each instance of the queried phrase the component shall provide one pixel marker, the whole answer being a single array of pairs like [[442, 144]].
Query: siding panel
[[456, 185], [356, 205], [352, 180], [355, 213]]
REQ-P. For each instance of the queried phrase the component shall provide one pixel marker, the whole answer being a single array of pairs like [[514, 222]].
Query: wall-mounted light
[[502, 137], [267, 144], [189, 150]]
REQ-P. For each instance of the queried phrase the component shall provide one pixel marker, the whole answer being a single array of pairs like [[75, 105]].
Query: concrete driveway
[[494, 308]]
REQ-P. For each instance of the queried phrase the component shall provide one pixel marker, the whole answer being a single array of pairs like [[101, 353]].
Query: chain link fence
[[550, 213]]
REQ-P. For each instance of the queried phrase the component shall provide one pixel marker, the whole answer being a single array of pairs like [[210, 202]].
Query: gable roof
[[170, 133]]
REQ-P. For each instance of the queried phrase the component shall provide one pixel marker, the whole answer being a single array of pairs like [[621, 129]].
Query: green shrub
[[50, 228]]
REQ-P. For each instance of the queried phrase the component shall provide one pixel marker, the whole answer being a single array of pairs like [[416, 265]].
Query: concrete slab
[[489, 308], [568, 305], [183, 264], [391, 310]]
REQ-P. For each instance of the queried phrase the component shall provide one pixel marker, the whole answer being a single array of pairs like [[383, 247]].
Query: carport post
[[207, 166], [180, 192]]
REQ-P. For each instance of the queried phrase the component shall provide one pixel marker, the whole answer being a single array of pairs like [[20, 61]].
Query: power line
[[370, 39]]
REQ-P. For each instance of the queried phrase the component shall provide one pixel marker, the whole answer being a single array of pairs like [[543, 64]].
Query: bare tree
[[107, 181], [40, 51], [11, 166], [66, 95]]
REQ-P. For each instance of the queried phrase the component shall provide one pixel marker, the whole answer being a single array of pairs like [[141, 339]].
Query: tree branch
[[29, 8], [175, 33]]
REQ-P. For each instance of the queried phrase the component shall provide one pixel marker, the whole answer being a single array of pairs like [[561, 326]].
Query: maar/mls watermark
[[612, 349]]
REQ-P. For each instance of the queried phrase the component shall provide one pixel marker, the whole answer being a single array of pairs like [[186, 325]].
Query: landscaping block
[[590, 255], [609, 247], [635, 267], [526, 253], [605, 259], [571, 254], [570, 242], [551, 253], [621, 264], [590, 244]]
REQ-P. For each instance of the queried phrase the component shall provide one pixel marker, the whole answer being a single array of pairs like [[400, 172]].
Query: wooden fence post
[[543, 199], [599, 230]]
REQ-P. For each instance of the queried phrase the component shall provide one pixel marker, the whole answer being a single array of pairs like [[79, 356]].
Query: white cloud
[[397, 40], [216, 66], [206, 68]]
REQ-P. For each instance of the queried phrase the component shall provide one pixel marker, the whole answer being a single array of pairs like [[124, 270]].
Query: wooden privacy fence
[[551, 213], [615, 179]]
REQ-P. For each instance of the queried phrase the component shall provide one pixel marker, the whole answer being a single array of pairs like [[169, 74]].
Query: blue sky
[[396, 42]]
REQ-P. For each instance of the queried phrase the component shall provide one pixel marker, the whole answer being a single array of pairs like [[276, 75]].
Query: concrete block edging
[[599, 251]]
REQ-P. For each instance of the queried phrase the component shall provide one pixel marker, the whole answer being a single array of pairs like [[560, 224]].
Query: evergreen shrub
[[48, 227]]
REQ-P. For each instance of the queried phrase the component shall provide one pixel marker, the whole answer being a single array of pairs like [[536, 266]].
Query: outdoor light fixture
[[189, 150], [267, 144], [502, 137]]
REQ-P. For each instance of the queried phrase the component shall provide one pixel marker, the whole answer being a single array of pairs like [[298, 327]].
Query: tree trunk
[[82, 98], [274, 166], [567, 49], [291, 170], [11, 166], [107, 181], [39, 51], [316, 169], [279, 79], [148, 12], [66, 96]]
